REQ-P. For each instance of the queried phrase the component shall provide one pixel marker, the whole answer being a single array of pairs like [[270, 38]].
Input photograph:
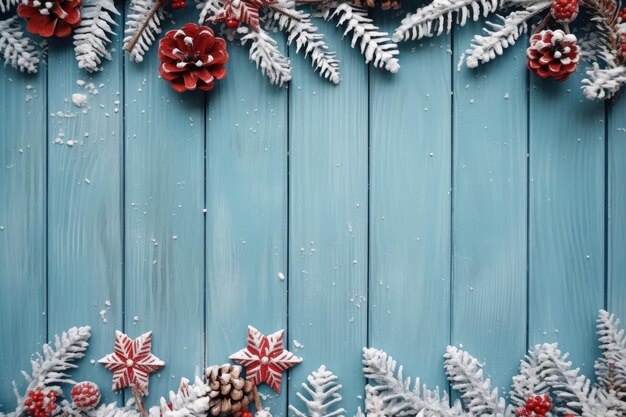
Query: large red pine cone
[[50, 18], [564, 11], [553, 54], [192, 57]]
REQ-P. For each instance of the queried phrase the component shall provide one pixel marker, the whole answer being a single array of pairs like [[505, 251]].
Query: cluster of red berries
[[564, 11], [40, 403], [622, 16], [179, 4], [536, 406]]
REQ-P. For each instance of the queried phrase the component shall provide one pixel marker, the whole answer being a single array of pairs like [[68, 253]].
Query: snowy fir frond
[[208, 9], [466, 376], [397, 397], [17, 49], [139, 10], [264, 52], [5, 5], [574, 393], [501, 35], [611, 366], [324, 392], [92, 36], [190, 400], [375, 45], [308, 39], [603, 83], [528, 382], [436, 17]]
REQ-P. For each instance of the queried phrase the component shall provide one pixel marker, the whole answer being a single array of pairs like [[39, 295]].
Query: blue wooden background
[[479, 208]]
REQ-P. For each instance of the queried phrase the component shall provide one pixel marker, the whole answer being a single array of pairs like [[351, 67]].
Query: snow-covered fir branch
[[307, 38], [500, 36], [603, 83], [436, 17], [324, 392], [375, 45], [17, 49], [397, 397], [611, 366], [208, 8], [139, 10], [93, 35], [528, 382], [264, 52], [190, 400], [5, 5], [466, 376]]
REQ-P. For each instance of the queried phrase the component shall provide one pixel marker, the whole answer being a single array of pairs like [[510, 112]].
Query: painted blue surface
[[483, 208]]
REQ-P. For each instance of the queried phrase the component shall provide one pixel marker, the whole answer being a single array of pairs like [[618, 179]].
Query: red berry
[[622, 15], [179, 4], [246, 413], [232, 23]]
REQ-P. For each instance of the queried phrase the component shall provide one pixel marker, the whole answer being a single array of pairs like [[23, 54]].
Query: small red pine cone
[[50, 18], [192, 57], [552, 54], [40, 402], [564, 11], [85, 395]]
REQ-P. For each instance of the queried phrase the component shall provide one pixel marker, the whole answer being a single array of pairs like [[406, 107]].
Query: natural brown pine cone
[[384, 4], [230, 393]]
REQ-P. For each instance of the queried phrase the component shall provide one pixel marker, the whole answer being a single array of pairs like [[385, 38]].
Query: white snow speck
[[103, 315], [297, 344], [281, 277], [79, 100]]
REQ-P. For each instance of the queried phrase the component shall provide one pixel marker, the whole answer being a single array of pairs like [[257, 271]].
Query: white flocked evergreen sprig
[[324, 393], [92, 37], [265, 53], [17, 49], [5, 5], [143, 25]]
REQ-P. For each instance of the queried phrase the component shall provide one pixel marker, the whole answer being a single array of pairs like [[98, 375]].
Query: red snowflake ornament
[[132, 362], [241, 11], [50, 18], [265, 358]]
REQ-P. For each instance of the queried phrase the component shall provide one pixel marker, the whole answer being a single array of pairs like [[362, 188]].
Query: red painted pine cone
[[40, 402], [553, 54], [192, 57], [85, 395], [564, 11], [50, 18]]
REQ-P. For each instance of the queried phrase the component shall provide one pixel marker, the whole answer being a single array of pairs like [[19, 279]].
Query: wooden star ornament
[[132, 362], [265, 358], [241, 11]]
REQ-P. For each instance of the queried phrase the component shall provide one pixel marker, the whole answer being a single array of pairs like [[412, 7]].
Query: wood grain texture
[[22, 224], [410, 145], [616, 210], [85, 203], [246, 192], [328, 140], [489, 220], [164, 226], [566, 236]]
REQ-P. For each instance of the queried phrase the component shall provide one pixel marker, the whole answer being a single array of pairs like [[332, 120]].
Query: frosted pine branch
[[92, 36], [5, 5], [306, 36], [397, 397], [466, 376], [264, 52], [208, 9], [528, 382], [611, 366], [190, 400], [17, 49], [501, 35], [324, 392], [376, 46], [436, 17], [139, 10], [603, 83]]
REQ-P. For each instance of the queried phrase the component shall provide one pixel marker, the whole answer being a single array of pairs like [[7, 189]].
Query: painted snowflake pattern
[[132, 362], [265, 358]]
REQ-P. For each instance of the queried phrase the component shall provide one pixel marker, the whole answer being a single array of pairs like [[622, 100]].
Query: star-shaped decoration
[[241, 11], [265, 358], [132, 362]]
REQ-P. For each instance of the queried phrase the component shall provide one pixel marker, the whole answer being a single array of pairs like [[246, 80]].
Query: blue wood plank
[[410, 147], [328, 208], [489, 210], [616, 211], [22, 224], [85, 204], [246, 191], [566, 236], [164, 229]]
